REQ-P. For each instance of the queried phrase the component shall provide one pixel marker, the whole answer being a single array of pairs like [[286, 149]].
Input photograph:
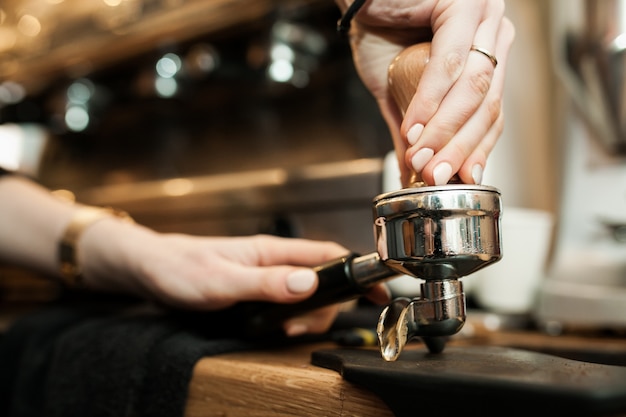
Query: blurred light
[[168, 65], [21, 147], [112, 3], [281, 71], [300, 79], [76, 118], [29, 25], [165, 87], [280, 51], [55, 1], [177, 187], [80, 91], [619, 44], [11, 92], [10, 147], [492, 322], [202, 59], [301, 36], [8, 38], [206, 61]]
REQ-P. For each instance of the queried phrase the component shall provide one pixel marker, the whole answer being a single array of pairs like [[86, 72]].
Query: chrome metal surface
[[439, 312], [390, 338], [438, 232], [368, 269]]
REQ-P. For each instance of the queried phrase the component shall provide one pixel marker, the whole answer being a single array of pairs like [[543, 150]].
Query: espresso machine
[[586, 284]]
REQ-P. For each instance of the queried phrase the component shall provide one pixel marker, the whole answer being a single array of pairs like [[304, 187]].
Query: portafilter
[[436, 233]]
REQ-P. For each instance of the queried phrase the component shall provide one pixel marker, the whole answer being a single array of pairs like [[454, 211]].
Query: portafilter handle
[[339, 280]]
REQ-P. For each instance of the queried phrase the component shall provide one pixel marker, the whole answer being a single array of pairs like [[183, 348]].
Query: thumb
[[281, 284]]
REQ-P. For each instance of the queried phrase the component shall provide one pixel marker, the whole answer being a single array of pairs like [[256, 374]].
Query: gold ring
[[486, 53]]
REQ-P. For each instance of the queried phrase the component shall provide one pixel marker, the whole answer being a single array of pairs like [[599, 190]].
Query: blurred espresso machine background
[[586, 283]]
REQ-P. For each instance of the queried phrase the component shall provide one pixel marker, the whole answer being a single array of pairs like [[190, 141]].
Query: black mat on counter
[[102, 359], [483, 381]]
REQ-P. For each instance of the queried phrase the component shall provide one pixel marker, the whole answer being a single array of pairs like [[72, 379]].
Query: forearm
[[32, 222]]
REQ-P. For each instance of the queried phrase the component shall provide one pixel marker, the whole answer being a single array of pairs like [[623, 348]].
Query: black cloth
[[89, 359], [102, 356]]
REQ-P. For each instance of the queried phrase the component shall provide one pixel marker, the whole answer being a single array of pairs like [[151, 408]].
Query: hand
[[208, 273], [455, 117]]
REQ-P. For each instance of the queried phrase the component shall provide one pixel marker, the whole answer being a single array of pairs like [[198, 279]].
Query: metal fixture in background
[[591, 60]]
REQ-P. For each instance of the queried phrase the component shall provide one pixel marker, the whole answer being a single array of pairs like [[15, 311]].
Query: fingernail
[[414, 133], [477, 174], [296, 329], [421, 158], [301, 281], [442, 173]]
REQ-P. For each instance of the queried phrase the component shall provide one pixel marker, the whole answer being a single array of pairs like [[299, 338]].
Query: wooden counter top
[[284, 383], [276, 383]]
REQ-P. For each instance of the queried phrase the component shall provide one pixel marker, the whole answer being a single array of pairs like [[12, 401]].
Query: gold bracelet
[[68, 257]]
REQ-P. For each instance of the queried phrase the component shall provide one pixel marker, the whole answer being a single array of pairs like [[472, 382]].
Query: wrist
[[69, 256]]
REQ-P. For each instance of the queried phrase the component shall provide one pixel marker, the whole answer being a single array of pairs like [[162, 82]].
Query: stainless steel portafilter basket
[[439, 232]]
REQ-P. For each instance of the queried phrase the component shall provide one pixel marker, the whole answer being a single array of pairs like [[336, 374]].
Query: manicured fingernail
[[442, 173], [421, 158], [296, 329], [414, 133], [301, 281], [477, 174]]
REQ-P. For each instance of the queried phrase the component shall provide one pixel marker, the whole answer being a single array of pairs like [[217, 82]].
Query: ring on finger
[[486, 53]]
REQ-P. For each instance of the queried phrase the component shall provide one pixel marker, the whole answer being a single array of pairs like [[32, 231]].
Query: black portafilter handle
[[340, 280]]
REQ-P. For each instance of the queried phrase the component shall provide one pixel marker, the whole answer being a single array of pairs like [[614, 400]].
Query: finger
[[452, 155], [471, 172], [465, 101], [267, 268], [473, 167], [453, 85], [450, 158], [449, 52], [278, 284], [271, 250], [460, 102]]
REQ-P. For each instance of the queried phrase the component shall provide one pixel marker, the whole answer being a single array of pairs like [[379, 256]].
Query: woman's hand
[[455, 117], [207, 273]]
